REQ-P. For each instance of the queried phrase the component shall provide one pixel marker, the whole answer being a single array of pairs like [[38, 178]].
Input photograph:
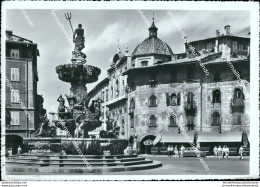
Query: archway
[[146, 149], [13, 142]]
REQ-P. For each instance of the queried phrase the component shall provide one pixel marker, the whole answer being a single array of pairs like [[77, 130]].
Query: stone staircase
[[66, 164]]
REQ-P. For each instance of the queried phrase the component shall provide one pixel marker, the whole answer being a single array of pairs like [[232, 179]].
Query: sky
[[105, 30]]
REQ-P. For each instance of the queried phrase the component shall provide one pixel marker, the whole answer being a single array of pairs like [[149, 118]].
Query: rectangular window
[[15, 118], [102, 96], [106, 95], [14, 53], [132, 123], [14, 74], [15, 96], [144, 63]]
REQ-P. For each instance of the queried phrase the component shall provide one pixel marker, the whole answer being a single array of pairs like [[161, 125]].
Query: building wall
[[224, 108], [161, 111], [27, 86]]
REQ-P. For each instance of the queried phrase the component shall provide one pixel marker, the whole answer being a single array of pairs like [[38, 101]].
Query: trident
[[68, 17]]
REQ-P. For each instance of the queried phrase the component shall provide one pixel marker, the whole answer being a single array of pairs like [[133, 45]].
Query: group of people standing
[[221, 152], [224, 152], [174, 151]]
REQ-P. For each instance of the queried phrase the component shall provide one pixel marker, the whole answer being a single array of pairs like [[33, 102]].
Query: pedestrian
[[241, 150], [168, 150], [224, 152], [176, 151], [227, 152], [182, 150], [19, 150], [171, 151], [215, 150], [219, 152]]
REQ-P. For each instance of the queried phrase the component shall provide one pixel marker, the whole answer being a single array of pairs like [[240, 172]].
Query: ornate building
[[21, 73], [213, 108]]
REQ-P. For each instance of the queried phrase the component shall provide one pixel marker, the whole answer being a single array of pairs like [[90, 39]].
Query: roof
[[152, 45], [177, 137], [190, 61], [221, 36], [220, 137]]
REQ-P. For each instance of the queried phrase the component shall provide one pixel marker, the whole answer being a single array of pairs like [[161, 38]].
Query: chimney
[[9, 34], [217, 33], [227, 30]]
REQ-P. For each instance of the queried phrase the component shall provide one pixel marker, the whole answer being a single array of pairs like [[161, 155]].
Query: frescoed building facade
[[213, 108]]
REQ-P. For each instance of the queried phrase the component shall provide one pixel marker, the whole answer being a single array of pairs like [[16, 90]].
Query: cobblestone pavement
[[193, 166]]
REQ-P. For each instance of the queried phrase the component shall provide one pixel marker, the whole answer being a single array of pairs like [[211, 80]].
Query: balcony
[[237, 105], [190, 108]]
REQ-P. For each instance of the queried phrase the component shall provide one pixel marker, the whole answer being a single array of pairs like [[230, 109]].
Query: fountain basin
[[78, 72]]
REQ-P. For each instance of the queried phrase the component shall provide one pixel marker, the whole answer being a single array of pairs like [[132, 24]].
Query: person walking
[[241, 150], [168, 150], [227, 152], [224, 152], [171, 151], [219, 152], [182, 150], [215, 151], [176, 151]]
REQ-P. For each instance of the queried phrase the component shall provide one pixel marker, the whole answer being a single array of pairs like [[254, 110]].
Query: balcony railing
[[237, 105], [190, 107]]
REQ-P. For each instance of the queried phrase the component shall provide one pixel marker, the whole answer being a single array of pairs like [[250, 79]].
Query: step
[[75, 159], [35, 170], [81, 163], [89, 156]]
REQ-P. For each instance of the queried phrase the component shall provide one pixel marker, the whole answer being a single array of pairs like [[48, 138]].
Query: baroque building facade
[[213, 108], [23, 106]]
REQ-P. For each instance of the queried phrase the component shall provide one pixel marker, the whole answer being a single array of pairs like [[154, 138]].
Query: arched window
[[179, 99], [153, 101], [173, 99], [172, 122], [190, 101], [190, 97], [152, 121], [144, 63], [111, 91], [238, 93], [216, 119], [132, 103], [216, 96]]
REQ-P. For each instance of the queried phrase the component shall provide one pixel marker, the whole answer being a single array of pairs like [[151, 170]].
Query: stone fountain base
[[71, 146]]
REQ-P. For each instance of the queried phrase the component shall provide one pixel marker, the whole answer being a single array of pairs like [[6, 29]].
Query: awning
[[220, 137], [175, 137]]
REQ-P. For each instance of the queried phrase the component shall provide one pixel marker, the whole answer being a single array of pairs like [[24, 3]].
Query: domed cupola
[[153, 46]]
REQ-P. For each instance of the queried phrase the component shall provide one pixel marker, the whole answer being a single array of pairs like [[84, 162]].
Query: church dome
[[152, 45]]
